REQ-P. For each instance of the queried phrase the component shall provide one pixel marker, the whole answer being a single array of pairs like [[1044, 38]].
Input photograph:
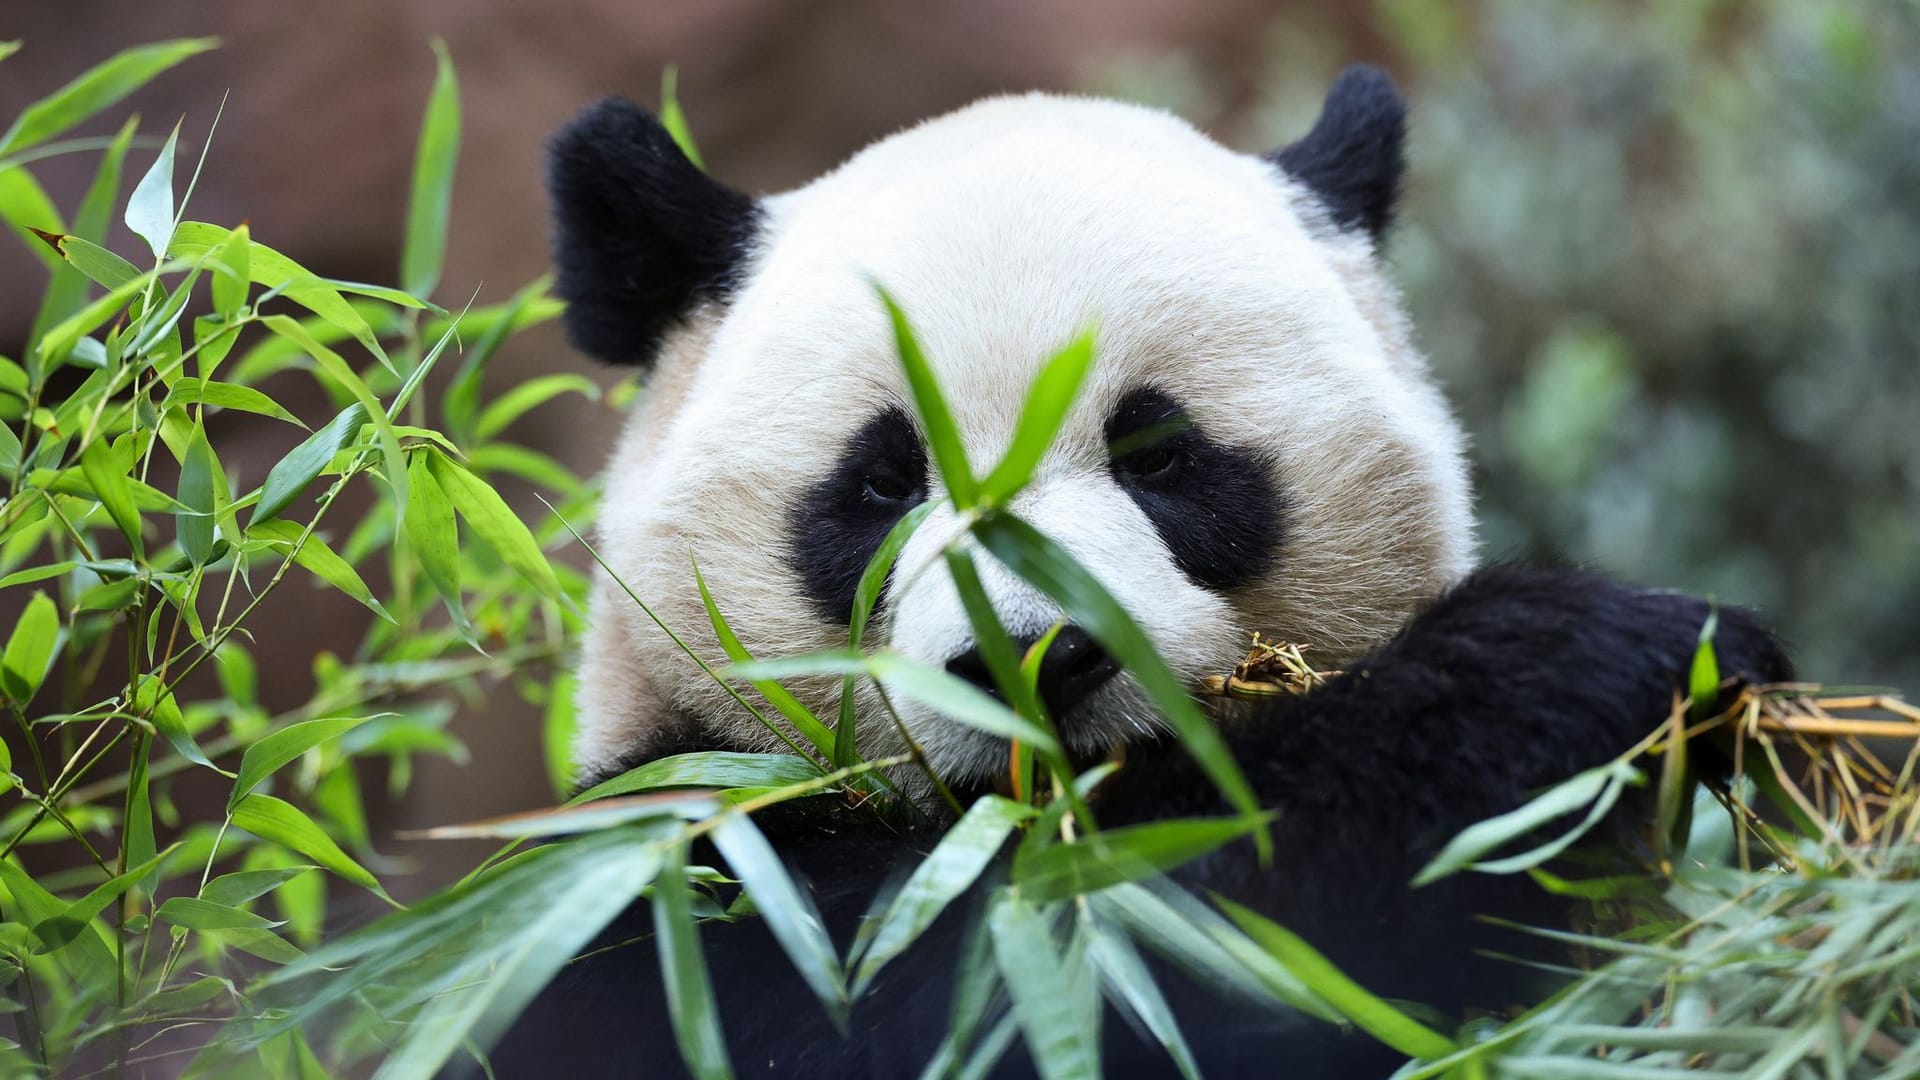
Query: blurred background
[[1664, 256]]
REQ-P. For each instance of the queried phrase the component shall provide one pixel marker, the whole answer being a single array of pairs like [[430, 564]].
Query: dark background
[[1665, 256]]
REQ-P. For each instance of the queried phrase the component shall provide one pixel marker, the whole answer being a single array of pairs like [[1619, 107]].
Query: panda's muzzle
[[1074, 667]]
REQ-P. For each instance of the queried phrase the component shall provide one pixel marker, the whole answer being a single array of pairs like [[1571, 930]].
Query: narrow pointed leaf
[[1048, 402], [948, 871], [706, 768], [690, 1003], [789, 912], [280, 822], [108, 478], [291, 474], [872, 580], [495, 522], [1374, 1016], [1041, 985], [277, 748], [194, 528], [943, 434], [30, 649], [99, 88], [150, 207], [778, 696], [1112, 856], [432, 191]]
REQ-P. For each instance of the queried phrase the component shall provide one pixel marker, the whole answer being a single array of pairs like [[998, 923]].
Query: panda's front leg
[[1513, 680]]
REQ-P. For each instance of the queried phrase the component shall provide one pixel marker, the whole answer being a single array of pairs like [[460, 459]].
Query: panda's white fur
[[1003, 229]]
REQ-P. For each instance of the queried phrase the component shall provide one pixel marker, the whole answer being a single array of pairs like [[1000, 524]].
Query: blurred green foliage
[[1666, 260]]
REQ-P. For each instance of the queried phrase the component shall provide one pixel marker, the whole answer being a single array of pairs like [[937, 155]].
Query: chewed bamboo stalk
[[1270, 669]]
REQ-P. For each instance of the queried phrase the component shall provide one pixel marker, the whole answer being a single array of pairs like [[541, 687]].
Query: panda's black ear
[[1354, 156], [643, 235]]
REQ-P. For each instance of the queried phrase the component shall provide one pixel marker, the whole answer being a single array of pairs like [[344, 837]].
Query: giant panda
[[1310, 484]]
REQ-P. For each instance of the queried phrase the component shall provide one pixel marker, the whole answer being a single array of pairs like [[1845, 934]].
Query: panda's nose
[[1074, 667]]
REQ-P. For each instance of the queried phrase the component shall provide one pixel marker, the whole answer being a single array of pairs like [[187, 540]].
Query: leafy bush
[[137, 560]]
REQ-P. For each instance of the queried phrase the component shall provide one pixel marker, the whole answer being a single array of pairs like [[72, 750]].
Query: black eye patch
[[1216, 507], [837, 524]]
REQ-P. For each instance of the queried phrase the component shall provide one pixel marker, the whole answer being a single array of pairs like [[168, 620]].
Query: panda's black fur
[[1510, 681]]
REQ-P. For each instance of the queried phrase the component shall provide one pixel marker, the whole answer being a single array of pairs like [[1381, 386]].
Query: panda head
[[1259, 447]]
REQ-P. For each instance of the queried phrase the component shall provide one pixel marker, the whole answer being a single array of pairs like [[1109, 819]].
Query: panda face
[[1258, 447]]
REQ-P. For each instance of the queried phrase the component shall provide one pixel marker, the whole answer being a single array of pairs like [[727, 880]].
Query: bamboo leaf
[[789, 912], [30, 650], [433, 534], [154, 701], [1111, 856], [190, 913], [1598, 786], [778, 696], [432, 193], [150, 208], [99, 88], [280, 822], [194, 526], [232, 890], [524, 398], [276, 273], [1127, 979], [225, 395], [1042, 986], [488, 515], [1374, 1016], [867, 594], [951, 868], [277, 748], [690, 1004], [107, 476], [705, 768], [314, 556], [943, 435], [291, 474], [1047, 566], [347, 379], [1046, 408]]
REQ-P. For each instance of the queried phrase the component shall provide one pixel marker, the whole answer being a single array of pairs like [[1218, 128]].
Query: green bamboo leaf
[[100, 266], [433, 534], [277, 748], [788, 706], [432, 192], [194, 528], [996, 648], [789, 912], [497, 982], [226, 395], [488, 515], [30, 212], [150, 208], [705, 768], [280, 822], [231, 264], [315, 557], [1127, 979], [559, 722], [190, 913], [517, 402], [953, 697], [1372, 1015], [87, 956], [690, 1004], [1046, 565], [154, 701], [1112, 856], [291, 474], [8, 48], [275, 272], [462, 399], [529, 465], [1599, 786], [951, 868], [99, 88], [232, 890], [1042, 985], [107, 476], [60, 930], [872, 580], [30, 650], [943, 435], [347, 379], [67, 292], [59, 339], [253, 941], [1046, 408], [138, 837], [1703, 677], [674, 120]]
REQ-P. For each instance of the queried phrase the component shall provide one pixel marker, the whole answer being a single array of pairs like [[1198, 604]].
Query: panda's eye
[[1152, 463], [888, 488]]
